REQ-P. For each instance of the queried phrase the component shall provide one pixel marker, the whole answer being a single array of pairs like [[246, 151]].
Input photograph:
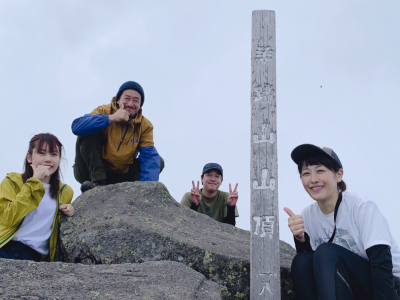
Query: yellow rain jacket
[[18, 199], [123, 139]]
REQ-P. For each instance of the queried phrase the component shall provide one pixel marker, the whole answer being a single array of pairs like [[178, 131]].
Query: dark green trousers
[[89, 162]]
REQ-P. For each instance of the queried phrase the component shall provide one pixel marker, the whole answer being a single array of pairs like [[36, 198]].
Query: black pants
[[89, 162], [18, 250], [332, 273]]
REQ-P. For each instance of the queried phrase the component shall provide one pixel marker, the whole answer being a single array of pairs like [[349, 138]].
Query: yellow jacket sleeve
[[18, 199]]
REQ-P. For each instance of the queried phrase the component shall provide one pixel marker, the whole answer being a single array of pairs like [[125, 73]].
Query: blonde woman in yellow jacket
[[32, 203]]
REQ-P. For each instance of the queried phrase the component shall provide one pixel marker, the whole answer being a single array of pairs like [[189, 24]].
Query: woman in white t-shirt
[[344, 246], [32, 203]]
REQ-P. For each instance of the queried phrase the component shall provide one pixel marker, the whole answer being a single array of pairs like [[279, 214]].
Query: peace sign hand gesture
[[195, 194], [233, 196]]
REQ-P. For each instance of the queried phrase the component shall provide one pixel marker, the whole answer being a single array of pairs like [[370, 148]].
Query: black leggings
[[332, 273]]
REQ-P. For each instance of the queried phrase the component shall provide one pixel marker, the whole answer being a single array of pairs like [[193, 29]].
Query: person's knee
[[162, 164], [77, 175], [326, 257], [302, 261], [94, 140], [326, 250]]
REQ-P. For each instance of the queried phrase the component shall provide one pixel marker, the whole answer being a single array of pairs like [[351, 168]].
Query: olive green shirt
[[215, 207]]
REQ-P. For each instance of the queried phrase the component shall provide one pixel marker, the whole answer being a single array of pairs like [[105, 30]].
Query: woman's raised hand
[[40, 172], [296, 225]]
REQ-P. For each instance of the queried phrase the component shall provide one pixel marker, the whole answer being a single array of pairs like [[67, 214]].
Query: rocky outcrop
[[150, 280], [140, 222]]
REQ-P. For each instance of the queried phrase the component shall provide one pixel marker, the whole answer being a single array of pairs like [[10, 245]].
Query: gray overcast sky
[[61, 59]]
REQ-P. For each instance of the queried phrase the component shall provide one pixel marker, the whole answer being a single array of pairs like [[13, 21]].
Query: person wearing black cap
[[221, 206], [344, 246], [115, 142]]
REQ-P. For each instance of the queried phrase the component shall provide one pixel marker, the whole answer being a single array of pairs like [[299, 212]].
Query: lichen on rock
[[140, 222]]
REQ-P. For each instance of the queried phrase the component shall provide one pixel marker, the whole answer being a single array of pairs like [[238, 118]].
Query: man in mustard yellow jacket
[[115, 142]]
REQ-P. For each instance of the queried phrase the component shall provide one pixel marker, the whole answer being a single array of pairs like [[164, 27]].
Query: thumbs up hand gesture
[[296, 225], [121, 115]]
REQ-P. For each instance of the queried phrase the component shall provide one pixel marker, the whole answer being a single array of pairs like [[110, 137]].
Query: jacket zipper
[[123, 136]]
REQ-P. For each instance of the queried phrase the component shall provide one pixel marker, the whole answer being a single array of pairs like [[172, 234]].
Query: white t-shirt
[[36, 228], [359, 226]]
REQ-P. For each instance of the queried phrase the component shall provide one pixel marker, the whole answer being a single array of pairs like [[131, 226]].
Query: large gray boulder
[[150, 280], [140, 222]]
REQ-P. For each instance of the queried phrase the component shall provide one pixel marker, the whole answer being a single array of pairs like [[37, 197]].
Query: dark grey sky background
[[61, 59]]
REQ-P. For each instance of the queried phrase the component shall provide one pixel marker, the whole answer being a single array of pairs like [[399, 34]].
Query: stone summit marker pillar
[[265, 261]]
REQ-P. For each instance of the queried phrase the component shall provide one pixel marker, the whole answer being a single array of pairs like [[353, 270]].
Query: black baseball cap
[[212, 166], [301, 151]]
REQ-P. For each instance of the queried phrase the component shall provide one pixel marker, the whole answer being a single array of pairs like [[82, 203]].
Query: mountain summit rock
[[140, 222], [134, 241]]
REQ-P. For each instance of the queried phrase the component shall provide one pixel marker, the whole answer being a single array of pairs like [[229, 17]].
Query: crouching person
[[115, 142], [344, 246]]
